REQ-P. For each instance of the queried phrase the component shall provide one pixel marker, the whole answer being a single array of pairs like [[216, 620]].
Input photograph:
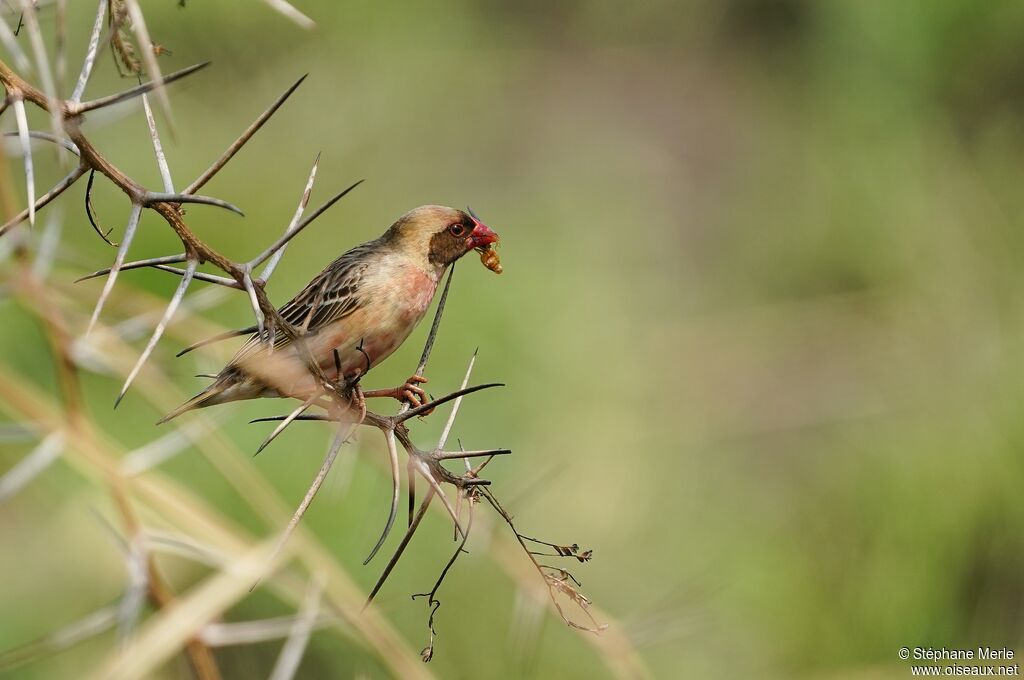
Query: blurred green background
[[760, 319]]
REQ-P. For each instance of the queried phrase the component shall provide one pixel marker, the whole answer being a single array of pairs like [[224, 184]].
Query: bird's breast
[[392, 308]]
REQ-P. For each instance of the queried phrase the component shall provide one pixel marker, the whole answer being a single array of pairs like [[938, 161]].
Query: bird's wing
[[332, 295]]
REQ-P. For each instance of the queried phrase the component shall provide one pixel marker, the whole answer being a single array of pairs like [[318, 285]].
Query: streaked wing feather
[[332, 295]]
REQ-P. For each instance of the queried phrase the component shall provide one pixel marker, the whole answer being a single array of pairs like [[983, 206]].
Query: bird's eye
[[457, 229]]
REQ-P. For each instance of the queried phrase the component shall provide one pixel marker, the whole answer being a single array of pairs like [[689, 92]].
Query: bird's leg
[[354, 393], [410, 393]]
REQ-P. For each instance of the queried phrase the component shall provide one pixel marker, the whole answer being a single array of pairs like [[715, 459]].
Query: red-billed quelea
[[356, 312]]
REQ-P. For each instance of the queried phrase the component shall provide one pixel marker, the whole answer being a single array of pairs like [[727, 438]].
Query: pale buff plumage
[[363, 306]]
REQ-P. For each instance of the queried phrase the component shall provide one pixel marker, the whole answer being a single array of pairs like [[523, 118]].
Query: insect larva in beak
[[490, 259]]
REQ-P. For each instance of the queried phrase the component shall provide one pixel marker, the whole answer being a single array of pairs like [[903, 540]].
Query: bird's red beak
[[481, 236]]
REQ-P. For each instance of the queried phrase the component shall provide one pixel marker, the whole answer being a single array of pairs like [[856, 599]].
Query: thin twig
[[428, 652]]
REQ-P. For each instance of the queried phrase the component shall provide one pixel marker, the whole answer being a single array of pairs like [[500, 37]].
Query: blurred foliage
[[760, 320]]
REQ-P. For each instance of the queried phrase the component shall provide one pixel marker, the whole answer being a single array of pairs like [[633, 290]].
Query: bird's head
[[439, 235]]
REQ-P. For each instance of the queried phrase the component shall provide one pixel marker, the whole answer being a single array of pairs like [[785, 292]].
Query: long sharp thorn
[[49, 137], [473, 454], [26, 149], [396, 486], [90, 53], [301, 225], [458, 514], [158, 148], [53, 193], [91, 214], [286, 422], [401, 546], [444, 497], [458, 402], [217, 338], [152, 68], [305, 416], [303, 202], [428, 346], [257, 312], [169, 197], [122, 251], [94, 104], [402, 417], [35, 35], [318, 481], [167, 259], [172, 307], [241, 141], [410, 482], [201, 276], [11, 43], [288, 10]]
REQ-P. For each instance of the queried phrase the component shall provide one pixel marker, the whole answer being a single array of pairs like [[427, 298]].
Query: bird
[[355, 313]]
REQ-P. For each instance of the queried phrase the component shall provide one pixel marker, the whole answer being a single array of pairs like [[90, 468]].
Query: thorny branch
[[339, 400]]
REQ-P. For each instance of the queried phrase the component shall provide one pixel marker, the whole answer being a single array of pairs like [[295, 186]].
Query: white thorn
[[455, 407], [32, 465], [26, 149], [172, 307], [303, 202], [122, 251], [161, 160], [90, 54]]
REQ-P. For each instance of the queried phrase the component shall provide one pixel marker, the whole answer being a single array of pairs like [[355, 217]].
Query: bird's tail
[[208, 397]]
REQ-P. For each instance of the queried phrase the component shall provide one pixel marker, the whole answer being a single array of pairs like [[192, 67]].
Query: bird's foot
[[355, 395], [410, 393]]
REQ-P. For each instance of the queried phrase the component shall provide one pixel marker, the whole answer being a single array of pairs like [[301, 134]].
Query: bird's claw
[[413, 394], [408, 393]]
